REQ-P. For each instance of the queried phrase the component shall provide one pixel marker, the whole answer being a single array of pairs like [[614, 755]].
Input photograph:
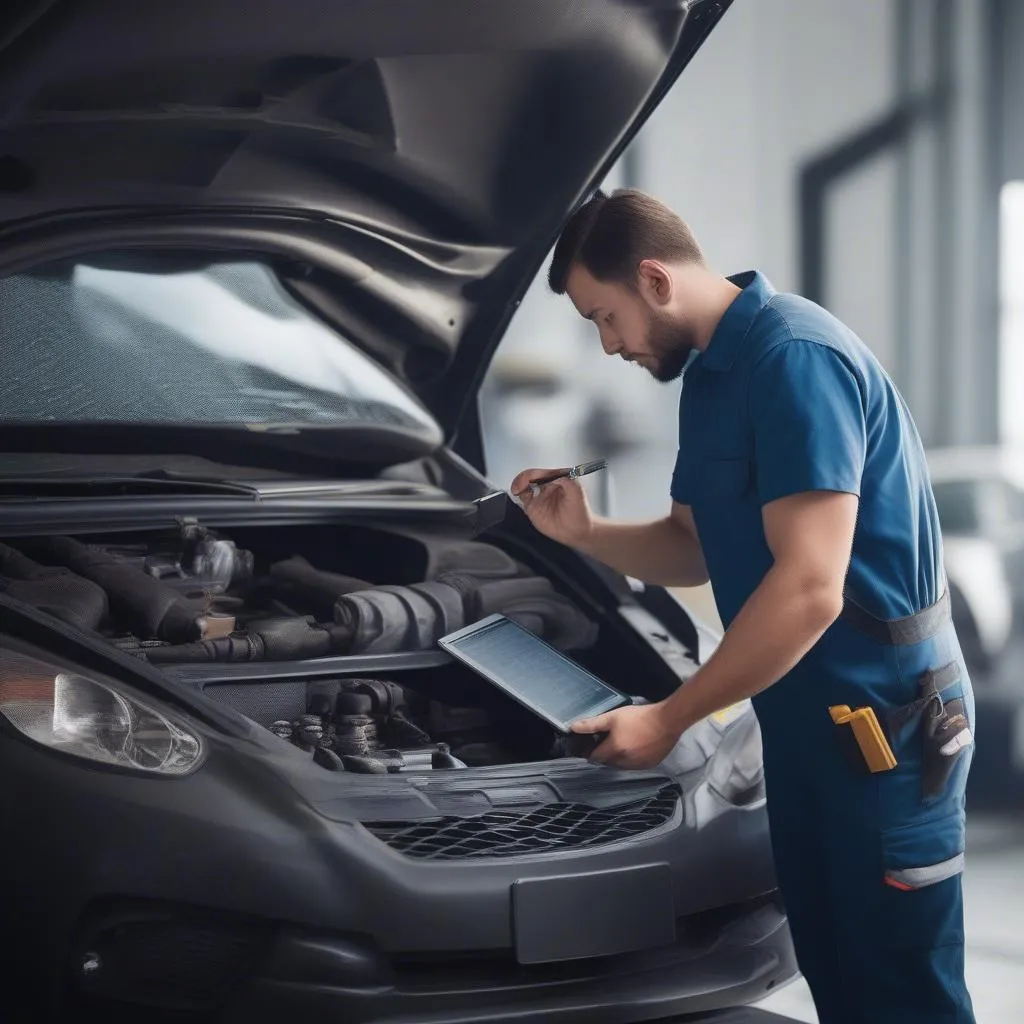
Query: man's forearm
[[661, 552], [779, 624]]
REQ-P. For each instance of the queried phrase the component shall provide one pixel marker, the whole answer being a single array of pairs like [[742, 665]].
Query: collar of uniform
[[732, 329]]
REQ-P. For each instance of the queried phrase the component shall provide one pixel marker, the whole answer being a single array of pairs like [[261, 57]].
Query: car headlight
[[98, 721]]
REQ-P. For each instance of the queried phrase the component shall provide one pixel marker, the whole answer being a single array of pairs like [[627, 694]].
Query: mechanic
[[800, 490]]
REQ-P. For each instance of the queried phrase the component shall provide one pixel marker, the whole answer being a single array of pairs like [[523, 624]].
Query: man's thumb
[[587, 726]]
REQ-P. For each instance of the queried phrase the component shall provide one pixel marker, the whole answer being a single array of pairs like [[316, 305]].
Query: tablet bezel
[[449, 643]]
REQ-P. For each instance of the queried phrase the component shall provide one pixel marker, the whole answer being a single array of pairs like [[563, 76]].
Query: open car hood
[[405, 164]]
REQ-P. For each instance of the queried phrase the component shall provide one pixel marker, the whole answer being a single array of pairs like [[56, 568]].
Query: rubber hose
[[318, 590], [147, 606], [56, 591]]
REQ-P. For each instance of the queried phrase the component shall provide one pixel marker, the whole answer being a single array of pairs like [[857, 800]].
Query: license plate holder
[[601, 913]]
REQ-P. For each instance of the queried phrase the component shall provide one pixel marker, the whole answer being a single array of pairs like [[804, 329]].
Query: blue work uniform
[[784, 400]]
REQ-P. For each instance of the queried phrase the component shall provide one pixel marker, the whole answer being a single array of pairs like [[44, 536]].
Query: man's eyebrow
[[592, 313]]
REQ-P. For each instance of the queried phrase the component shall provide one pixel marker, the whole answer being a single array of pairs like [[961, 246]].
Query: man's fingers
[[606, 752], [588, 726], [550, 491], [544, 494], [523, 480], [520, 486]]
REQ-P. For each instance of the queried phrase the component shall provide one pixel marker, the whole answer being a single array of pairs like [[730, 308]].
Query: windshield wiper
[[107, 486], [348, 488], [164, 481]]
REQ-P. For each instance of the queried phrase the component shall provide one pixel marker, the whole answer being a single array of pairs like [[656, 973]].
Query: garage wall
[[910, 248], [774, 84], [1010, 17]]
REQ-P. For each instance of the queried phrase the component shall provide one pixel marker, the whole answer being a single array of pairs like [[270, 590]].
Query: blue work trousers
[[869, 865]]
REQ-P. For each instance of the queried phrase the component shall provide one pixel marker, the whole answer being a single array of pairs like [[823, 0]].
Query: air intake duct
[[56, 591], [277, 639], [149, 607]]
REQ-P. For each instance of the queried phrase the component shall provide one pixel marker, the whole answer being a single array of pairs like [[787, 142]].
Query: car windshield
[[219, 345]]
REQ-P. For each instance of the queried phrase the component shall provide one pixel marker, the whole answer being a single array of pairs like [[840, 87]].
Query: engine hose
[[149, 607], [296, 579], [54, 590], [395, 618], [226, 648], [264, 640]]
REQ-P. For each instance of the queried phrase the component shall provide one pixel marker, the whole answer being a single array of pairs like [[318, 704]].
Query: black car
[[254, 258]]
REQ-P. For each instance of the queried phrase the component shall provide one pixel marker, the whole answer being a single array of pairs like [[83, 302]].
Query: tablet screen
[[531, 671]]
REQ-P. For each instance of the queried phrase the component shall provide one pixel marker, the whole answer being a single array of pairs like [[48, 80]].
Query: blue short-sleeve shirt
[[787, 399]]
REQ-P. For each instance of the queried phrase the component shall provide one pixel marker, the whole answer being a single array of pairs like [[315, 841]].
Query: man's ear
[[655, 282]]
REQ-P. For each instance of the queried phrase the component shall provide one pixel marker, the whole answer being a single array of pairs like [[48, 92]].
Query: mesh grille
[[557, 826], [264, 703], [169, 963]]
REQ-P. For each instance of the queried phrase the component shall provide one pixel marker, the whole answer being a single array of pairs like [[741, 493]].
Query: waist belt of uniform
[[911, 629]]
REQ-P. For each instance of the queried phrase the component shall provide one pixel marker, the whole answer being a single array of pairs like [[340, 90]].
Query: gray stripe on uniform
[[930, 874]]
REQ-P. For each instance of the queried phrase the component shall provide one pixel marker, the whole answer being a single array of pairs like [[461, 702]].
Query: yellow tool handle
[[873, 745]]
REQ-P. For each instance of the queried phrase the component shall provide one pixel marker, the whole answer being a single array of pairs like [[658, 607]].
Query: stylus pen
[[572, 473]]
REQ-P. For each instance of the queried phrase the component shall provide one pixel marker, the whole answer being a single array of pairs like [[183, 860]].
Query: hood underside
[[405, 165]]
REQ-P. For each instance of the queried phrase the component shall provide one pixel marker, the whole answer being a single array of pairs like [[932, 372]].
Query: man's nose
[[611, 344]]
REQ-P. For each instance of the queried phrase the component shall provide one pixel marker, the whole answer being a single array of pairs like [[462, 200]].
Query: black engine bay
[[198, 602]]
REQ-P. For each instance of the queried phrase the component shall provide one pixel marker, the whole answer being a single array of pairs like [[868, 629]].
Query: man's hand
[[639, 736], [664, 551], [560, 509]]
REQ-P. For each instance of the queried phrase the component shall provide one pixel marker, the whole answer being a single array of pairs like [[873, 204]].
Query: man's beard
[[671, 345]]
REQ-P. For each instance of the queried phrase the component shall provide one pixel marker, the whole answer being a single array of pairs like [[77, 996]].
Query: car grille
[[557, 826], [165, 957]]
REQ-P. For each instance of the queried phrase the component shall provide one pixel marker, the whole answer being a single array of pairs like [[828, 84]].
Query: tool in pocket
[[867, 733], [944, 728]]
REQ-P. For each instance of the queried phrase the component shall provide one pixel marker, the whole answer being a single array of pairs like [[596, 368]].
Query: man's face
[[633, 323]]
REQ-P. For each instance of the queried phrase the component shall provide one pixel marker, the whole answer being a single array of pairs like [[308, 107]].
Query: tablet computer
[[532, 672]]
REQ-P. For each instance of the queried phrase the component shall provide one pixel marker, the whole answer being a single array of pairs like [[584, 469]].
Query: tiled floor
[[994, 898]]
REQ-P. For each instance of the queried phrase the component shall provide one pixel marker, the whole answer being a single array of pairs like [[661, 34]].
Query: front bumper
[[696, 975], [728, 958], [336, 920]]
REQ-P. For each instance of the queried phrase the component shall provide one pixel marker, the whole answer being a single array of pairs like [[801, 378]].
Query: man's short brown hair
[[611, 235]]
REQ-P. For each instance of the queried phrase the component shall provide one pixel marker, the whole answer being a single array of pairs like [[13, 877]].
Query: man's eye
[[608, 319]]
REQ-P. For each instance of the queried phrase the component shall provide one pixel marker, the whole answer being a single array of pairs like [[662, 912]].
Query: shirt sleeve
[[809, 423], [680, 488]]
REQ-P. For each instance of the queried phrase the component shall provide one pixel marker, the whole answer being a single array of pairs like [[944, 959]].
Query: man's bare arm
[[665, 551], [811, 537]]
